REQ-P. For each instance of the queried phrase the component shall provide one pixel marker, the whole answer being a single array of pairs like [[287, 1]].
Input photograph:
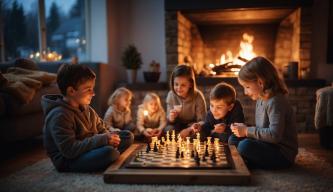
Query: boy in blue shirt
[[224, 110]]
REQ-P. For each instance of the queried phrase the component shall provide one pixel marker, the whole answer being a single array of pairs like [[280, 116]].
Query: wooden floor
[[22, 154]]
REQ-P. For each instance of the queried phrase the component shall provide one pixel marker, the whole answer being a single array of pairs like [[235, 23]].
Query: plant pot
[[152, 77], [131, 75]]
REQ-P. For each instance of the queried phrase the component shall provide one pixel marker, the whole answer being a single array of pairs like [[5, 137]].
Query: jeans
[[260, 154], [100, 158]]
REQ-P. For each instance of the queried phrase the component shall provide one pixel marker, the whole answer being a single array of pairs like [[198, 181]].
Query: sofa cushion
[[15, 108]]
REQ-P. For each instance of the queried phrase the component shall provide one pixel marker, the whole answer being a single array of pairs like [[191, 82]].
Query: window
[[65, 29], [65, 23], [19, 29]]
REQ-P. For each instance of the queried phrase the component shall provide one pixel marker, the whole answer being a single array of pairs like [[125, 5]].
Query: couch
[[20, 121]]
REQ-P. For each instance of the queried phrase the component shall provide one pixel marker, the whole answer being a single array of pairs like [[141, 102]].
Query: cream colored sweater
[[156, 120]]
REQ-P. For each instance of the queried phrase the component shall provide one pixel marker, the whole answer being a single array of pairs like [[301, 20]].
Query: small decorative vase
[[131, 75]]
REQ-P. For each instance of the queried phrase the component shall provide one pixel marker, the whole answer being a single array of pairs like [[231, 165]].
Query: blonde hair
[[261, 68], [117, 94], [152, 96]]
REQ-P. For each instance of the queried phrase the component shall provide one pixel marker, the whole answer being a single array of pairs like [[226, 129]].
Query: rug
[[310, 173]]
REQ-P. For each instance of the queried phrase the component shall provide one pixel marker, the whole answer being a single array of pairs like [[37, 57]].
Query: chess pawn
[[167, 136], [216, 141], [209, 140], [188, 140], [198, 136]]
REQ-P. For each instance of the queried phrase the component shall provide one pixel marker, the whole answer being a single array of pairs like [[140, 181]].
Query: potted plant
[[132, 61], [153, 74]]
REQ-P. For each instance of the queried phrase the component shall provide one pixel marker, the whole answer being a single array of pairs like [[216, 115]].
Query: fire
[[246, 52]]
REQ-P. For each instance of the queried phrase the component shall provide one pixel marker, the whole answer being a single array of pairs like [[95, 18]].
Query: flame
[[145, 113], [246, 51]]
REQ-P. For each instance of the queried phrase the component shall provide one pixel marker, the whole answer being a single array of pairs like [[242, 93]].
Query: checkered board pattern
[[165, 158]]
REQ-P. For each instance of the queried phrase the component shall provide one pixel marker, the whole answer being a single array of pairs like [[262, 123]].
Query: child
[[118, 116], [224, 110], [75, 137], [186, 106], [151, 118], [272, 142]]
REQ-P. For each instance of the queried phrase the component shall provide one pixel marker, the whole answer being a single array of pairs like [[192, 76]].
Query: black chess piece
[[155, 147], [197, 159], [177, 153], [203, 158], [182, 154], [192, 153], [206, 151], [213, 156], [148, 148]]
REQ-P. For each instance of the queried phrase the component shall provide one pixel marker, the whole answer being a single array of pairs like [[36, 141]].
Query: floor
[[26, 153]]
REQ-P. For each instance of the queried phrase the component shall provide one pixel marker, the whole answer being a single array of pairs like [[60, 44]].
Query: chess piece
[[177, 153], [206, 151], [182, 154], [203, 158], [155, 147], [148, 148], [213, 156], [192, 153]]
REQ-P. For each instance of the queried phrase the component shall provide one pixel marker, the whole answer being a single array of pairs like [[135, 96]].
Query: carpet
[[310, 173]]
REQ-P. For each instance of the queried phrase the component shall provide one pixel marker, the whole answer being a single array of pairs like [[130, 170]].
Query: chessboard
[[179, 162], [187, 156]]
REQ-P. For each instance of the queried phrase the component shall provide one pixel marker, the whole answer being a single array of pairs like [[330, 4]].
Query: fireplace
[[216, 38]]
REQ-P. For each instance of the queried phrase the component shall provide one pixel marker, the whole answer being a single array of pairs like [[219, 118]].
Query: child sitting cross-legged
[[75, 137], [224, 110]]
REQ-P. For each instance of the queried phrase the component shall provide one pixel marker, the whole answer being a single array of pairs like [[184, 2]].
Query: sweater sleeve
[[108, 117], [140, 120], [237, 115], [63, 133], [276, 117], [101, 126], [169, 103], [163, 120], [201, 108], [207, 127]]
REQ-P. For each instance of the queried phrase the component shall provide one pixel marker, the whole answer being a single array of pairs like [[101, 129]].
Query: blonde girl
[[151, 118], [118, 116]]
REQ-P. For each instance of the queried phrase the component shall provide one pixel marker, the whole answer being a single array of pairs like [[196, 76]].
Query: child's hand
[[157, 132], [148, 132], [173, 115], [239, 129], [185, 132], [219, 128], [114, 139], [196, 127]]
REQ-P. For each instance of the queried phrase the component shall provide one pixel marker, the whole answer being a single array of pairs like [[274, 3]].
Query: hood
[[50, 102]]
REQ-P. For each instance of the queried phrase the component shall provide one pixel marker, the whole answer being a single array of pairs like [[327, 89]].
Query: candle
[[145, 113]]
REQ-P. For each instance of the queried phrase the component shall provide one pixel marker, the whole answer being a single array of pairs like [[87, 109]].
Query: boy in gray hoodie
[[75, 137]]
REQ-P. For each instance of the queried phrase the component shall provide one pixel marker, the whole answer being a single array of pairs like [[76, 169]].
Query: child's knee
[[245, 146], [111, 153], [128, 136]]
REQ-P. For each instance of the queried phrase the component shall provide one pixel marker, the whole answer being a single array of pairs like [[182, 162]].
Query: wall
[[319, 66], [97, 33], [138, 22]]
